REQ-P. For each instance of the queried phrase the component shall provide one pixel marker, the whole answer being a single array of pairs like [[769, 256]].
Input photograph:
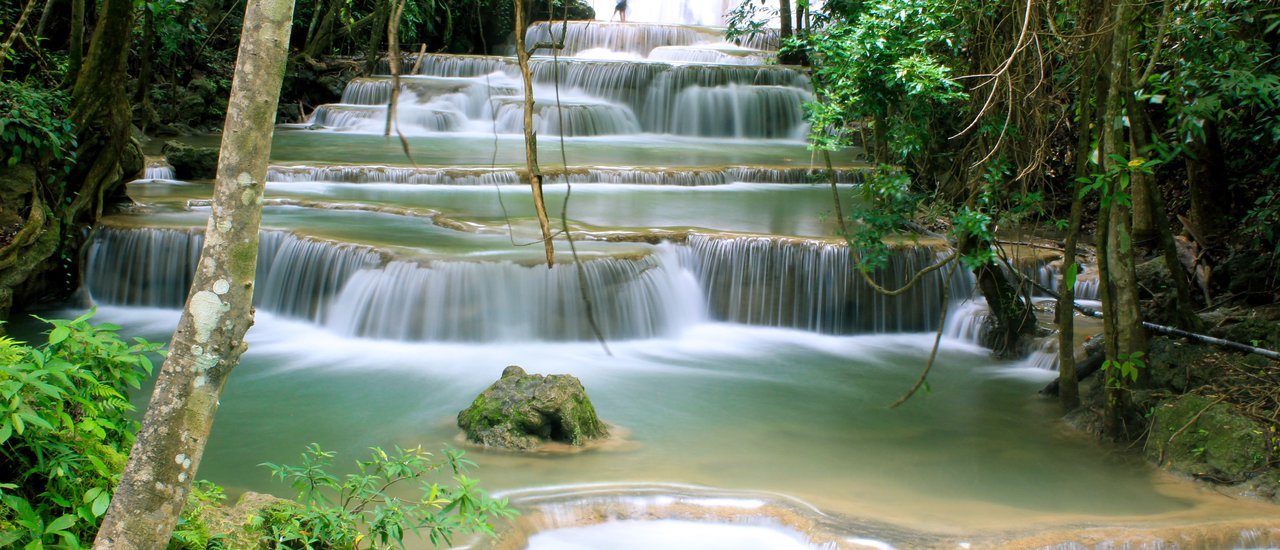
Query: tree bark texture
[[209, 339]]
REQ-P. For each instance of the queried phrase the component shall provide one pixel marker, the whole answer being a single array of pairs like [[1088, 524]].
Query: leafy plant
[[192, 531], [360, 510], [65, 428], [34, 125], [1124, 370]]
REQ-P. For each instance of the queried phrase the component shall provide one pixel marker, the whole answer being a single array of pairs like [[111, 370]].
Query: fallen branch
[[1171, 331]]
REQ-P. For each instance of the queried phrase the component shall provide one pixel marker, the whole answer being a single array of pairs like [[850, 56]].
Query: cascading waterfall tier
[[154, 267], [466, 301], [600, 97], [638, 40], [357, 291], [813, 285]]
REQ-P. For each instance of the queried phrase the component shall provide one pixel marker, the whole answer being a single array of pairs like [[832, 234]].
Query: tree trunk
[[1122, 318], [1092, 15], [373, 50], [100, 111], [147, 47], [210, 335], [1143, 185], [784, 12], [1184, 308], [1206, 177], [531, 139], [1011, 316], [44, 18], [75, 50], [318, 43]]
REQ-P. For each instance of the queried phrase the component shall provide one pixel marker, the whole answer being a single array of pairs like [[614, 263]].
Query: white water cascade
[[695, 85]]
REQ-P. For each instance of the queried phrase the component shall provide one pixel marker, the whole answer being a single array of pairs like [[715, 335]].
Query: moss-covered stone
[[522, 411], [1218, 444], [242, 525], [190, 162]]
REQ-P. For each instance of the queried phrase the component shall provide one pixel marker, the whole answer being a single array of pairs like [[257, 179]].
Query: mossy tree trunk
[[209, 339], [106, 156]]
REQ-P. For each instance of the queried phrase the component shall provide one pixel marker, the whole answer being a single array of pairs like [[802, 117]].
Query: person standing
[[620, 10]]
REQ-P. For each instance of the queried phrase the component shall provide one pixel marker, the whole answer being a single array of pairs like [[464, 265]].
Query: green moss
[[1196, 436], [244, 260]]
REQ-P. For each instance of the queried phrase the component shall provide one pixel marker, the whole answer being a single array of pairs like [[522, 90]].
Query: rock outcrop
[[522, 411], [190, 162]]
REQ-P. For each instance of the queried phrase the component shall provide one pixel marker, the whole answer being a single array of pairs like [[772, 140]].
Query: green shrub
[[359, 511], [65, 429]]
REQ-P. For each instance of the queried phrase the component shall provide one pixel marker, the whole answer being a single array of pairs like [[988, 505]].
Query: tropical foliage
[[65, 429]]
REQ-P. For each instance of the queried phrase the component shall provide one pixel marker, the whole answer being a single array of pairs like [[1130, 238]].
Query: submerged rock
[[521, 411], [190, 162]]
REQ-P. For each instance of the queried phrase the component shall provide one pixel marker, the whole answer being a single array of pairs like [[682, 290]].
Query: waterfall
[[579, 36], [812, 285], [757, 174], [580, 118], [373, 118], [154, 268], [158, 169], [141, 267], [726, 54], [351, 289], [753, 112], [720, 90], [645, 297], [684, 178], [457, 92]]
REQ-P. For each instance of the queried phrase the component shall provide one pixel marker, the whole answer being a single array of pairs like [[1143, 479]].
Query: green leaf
[[58, 334], [60, 524], [100, 504]]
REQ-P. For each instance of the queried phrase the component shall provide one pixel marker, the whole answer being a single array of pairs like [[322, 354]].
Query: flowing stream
[[751, 367]]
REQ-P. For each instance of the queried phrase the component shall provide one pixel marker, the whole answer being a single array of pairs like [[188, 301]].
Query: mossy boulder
[[1196, 436], [522, 411], [190, 162]]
